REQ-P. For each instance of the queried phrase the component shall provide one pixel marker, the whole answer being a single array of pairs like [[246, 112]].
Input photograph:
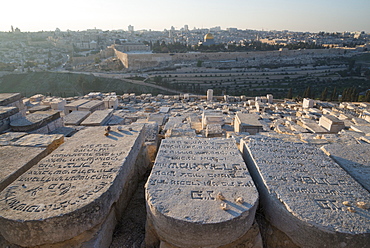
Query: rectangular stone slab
[[17, 160], [307, 195], [98, 118], [34, 121], [355, 159], [71, 190], [181, 192], [76, 117]]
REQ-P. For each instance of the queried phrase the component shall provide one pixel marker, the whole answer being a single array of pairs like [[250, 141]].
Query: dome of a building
[[208, 36]]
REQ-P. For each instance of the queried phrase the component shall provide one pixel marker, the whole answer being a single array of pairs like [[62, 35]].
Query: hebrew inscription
[[185, 186], [309, 184], [72, 180]]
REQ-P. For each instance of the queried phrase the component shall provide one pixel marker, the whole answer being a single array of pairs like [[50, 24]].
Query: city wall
[[109, 52], [142, 61]]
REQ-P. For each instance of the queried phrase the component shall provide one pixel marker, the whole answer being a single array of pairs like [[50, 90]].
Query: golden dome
[[208, 36]]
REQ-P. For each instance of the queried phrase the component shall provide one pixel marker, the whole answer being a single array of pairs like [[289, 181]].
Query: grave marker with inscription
[[307, 195], [200, 193], [72, 190]]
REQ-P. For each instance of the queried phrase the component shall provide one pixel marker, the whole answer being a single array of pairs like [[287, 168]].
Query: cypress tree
[[324, 94], [290, 94], [333, 96]]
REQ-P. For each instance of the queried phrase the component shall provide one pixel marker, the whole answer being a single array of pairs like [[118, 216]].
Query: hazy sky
[[295, 15]]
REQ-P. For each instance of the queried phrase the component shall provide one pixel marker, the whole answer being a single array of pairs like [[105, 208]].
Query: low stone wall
[[143, 60]]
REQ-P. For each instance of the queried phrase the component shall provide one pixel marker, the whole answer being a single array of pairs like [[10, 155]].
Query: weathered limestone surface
[[71, 191], [34, 121], [39, 108], [8, 98], [98, 118], [307, 195], [17, 160], [247, 123], [355, 159], [10, 137], [49, 141], [76, 117], [182, 191]]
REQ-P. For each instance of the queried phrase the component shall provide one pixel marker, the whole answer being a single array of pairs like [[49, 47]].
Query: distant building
[[208, 40], [131, 28]]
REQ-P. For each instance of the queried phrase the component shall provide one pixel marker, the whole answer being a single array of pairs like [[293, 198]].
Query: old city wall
[[141, 61], [109, 52]]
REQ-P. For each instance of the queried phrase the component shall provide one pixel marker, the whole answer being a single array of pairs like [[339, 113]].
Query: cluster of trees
[[178, 47], [349, 94]]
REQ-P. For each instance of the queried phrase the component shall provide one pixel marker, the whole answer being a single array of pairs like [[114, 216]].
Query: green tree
[[334, 95], [290, 94], [324, 94], [307, 92], [367, 96]]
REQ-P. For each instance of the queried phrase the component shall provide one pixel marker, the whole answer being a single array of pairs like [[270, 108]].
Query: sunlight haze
[[312, 16]]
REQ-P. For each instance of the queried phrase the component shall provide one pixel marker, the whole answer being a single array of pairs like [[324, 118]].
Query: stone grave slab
[[8, 98], [71, 191], [39, 108], [9, 138], [306, 195], [98, 118], [361, 129], [48, 141], [6, 112], [191, 181], [75, 117], [354, 158], [34, 121], [17, 160]]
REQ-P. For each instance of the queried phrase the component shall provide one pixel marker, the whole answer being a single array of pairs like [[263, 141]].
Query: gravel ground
[[130, 231]]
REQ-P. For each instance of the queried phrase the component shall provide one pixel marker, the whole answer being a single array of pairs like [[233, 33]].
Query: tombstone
[[331, 123], [270, 98], [98, 118], [361, 129], [39, 108], [71, 198], [7, 114], [247, 123], [111, 102], [37, 122], [48, 141], [9, 138], [312, 126], [199, 194], [17, 160], [75, 118], [213, 130], [158, 118], [209, 95], [212, 117], [308, 103], [58, 104], [306, 195], [354, 158], [173, 122], [91, 106], [73, 106]]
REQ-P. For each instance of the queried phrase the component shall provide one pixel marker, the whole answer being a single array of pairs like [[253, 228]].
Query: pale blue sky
[[295, 15]]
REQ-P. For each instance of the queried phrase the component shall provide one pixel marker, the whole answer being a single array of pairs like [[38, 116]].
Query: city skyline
[[313, 16]]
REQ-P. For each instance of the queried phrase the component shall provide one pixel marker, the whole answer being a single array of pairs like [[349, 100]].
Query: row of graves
[[221, 175]]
